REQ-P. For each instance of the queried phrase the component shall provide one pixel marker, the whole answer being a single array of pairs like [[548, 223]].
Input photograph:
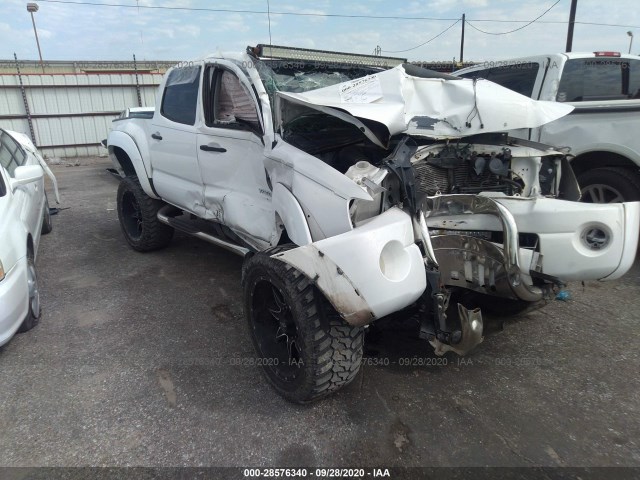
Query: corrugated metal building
[[68, 112]]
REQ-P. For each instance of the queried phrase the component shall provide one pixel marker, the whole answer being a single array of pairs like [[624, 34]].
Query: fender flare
[[127, 143], [291, 214]]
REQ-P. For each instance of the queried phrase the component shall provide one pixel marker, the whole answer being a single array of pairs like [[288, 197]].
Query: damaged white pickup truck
[[355, 190]]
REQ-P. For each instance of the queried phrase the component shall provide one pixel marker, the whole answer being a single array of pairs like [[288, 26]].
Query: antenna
[[269, 19]]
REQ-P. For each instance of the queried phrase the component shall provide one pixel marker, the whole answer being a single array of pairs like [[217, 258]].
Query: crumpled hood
[[431, 107]]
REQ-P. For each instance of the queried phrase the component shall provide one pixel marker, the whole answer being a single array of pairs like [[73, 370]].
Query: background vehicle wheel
[[306, 349], [47, 224], [33, 316], [137, 213], [609, 185]]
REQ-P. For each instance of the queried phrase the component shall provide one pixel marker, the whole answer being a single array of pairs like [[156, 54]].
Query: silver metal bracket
[[471, 323]]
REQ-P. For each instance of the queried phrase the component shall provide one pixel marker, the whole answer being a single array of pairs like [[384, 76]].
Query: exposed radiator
[[431, 179]]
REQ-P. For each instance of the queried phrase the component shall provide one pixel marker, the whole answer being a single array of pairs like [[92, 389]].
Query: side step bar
[[191, 228]]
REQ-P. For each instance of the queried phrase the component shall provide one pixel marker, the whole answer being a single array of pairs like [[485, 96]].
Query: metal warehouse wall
[[70, 113]]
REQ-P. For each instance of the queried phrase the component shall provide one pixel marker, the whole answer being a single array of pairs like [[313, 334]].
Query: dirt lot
[[135, 363]]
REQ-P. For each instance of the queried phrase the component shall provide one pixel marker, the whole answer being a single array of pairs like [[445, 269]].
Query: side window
[[599, 79], [180, 98], [227, 103], [11, 155]]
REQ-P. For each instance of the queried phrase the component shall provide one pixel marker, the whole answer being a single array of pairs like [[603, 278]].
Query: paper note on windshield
[[361, 90]]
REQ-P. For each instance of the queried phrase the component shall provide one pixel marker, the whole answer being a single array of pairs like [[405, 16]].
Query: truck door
[[231, 153], [174, 156]]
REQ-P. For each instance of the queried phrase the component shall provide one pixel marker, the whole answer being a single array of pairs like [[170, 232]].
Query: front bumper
[[14, 300], [567, 249], [377, 268]]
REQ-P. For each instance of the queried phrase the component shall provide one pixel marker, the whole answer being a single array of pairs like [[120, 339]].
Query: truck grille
[[431, 179]]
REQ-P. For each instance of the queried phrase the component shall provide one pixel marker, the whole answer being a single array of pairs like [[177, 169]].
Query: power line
[[422, 44], [229, 10], [519, 28], [328, 15]]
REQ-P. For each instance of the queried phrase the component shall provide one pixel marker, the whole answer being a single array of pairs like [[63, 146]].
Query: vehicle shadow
[[393, 342]]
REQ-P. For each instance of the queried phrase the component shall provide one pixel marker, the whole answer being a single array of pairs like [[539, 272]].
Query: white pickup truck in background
[[603, 129]]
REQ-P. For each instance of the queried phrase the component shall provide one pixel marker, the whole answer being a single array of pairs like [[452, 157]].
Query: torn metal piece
[[331, 281]]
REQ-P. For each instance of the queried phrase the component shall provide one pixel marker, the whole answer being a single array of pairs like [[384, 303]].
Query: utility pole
[[33, 7], [572, 21], [462, 41]]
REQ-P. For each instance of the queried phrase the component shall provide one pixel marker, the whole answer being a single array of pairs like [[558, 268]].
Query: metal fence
[[69, 114]]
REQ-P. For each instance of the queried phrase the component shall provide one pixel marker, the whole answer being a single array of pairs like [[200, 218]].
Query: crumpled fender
[[366, 273]]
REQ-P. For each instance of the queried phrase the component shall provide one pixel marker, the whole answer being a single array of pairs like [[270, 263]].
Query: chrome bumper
[[474, 263]]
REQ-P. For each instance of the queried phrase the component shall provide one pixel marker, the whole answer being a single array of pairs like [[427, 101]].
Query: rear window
[[588, 79], [181, 95], [519, 77]]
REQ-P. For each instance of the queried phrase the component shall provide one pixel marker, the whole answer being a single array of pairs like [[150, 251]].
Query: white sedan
[[24, 215]]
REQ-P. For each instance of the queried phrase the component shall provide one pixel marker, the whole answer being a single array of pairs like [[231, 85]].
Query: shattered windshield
[[297, 76]]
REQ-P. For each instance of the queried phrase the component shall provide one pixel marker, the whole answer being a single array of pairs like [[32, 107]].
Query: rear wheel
[[33, 315], [609, 185], [138, 215], [305, 348]]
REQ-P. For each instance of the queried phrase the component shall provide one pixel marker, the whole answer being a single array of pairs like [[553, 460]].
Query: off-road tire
[[34, 310], [330, 350], [138, 215], [616, 184], [47, 224]]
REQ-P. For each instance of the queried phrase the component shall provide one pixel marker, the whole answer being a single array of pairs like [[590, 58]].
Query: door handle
[[157, 136], [208, 148]]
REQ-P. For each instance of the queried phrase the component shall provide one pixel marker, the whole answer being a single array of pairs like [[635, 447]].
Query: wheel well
[[125, 162], [591, 160]]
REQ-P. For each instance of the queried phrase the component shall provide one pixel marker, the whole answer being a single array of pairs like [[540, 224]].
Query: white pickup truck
[[602, 130], [355, 187]]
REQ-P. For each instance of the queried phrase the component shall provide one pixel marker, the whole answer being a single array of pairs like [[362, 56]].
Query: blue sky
[[91, 32]]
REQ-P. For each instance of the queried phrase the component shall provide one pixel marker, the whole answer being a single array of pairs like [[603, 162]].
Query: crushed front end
[[489, 215], [450, 208]]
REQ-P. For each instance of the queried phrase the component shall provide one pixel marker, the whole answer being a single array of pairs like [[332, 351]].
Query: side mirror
[[26, 174]]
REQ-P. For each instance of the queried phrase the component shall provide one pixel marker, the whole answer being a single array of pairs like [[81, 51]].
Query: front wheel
[[609, 185], [306, 350], [138, 215]]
